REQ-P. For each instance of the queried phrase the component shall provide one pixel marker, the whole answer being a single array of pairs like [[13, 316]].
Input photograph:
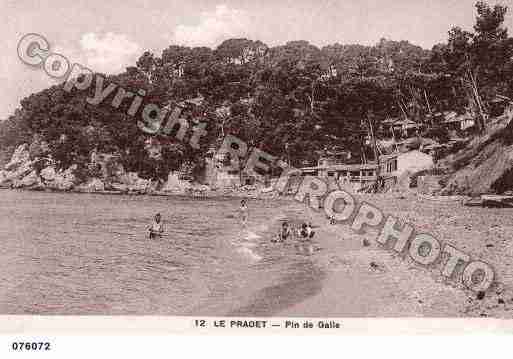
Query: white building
[[413, 161]]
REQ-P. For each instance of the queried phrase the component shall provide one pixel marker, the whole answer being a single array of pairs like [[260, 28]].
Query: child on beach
[[157, 228]]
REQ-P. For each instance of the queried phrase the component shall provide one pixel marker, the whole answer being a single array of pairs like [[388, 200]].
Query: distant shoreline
[[212, 194]]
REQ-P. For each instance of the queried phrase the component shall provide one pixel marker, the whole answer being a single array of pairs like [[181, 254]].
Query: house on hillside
[[401, 127], [219, 174], [455, 122], [387, 126], [406, 128], [334, 167], [435, 118], [413, 161]]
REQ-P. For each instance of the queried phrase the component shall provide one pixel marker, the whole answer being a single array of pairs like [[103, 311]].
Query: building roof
[[406, 123], [391, 120], [459, 118], [354, 167], [432, 146], [335, 153], [389, 156], [449, 115]]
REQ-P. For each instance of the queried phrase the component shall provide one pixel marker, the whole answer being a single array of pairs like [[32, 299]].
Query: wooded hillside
[[290, 100]]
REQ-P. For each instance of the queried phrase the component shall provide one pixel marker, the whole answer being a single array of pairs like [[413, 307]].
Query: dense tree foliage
[[290, 100]]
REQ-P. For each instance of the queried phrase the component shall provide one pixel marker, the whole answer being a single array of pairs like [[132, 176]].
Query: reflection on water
[[89, 254]]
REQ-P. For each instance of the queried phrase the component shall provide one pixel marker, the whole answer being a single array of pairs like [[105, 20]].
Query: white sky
[[109, 35]]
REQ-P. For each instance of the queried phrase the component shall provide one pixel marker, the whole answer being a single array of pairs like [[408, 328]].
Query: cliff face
[[18, 167], [23, 171], [26, 171], [41, 173]]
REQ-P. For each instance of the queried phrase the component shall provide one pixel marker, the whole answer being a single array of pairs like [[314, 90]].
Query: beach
[[372, 281], [88, 254]]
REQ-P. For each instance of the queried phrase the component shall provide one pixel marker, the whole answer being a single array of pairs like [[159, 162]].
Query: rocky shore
[[25, 173]]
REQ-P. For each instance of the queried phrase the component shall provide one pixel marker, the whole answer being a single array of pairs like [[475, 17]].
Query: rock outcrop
[[24, 172], [15, 173], [59, 180], [91, 186], [131, 182], [32, 181], [175, 185], [20, 157]]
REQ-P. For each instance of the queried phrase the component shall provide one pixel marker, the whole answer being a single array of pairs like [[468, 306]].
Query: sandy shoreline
[[347, 279], [192, 195], [370, 281]]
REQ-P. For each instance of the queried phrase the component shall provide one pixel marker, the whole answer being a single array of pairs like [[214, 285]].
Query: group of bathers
[[305, 232]]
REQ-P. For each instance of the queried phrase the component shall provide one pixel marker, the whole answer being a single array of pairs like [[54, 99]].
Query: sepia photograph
[[256, 166]]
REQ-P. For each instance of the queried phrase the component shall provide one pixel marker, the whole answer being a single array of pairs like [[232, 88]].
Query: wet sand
[[303, 282], [370, 281], [203, 272]]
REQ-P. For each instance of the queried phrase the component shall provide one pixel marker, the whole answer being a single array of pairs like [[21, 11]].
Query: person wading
[[157, 227], [284, 233], [244, 212]]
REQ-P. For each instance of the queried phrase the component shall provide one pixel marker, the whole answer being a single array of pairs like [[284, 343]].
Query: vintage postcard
[[269, 167]]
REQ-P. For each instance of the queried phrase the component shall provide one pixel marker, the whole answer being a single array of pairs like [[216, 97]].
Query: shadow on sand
[[303, 281]]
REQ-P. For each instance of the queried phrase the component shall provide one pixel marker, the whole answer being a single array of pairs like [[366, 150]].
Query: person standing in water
[[244, 212], [284, 233], [157, 227]]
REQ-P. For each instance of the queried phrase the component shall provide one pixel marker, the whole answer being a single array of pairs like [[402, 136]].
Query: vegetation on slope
[[288, 100]]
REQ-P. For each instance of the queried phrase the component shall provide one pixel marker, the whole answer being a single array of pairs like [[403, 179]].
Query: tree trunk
[[481, 118], [376, 155]]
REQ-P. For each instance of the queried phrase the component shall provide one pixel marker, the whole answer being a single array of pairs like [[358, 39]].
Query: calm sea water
[[89, 254]]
